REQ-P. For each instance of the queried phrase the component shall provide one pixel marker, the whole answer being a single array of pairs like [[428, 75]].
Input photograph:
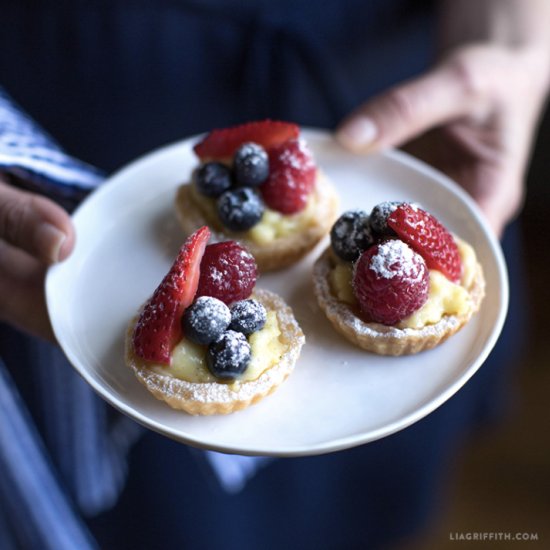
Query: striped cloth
[[74, 466]]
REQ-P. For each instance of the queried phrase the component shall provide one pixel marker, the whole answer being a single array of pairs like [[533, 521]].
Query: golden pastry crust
[[382, 339], [217, 397], [283, 251]]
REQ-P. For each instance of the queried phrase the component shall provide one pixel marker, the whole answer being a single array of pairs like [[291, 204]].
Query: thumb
[[447, 92], [35, 224]]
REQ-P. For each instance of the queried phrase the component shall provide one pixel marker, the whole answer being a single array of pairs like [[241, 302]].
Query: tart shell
[[382, 339], [208, 398], [283, 251]]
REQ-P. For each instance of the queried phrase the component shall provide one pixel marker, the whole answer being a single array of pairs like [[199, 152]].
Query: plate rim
[[334, 445]]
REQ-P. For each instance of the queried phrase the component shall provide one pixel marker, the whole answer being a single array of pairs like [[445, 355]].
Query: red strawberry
[[291, 177], [223, 143], [159, 326], [228, 272], [390, 281], [429, 238]]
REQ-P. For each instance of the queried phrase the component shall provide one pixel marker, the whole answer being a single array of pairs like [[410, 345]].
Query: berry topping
[[250, 165], [240, 209], [429, 237], [267, 133], [351, 235], [229, 355], [228, 272], [379, 218], [158, 328], [390, 282], [291, 177], [205, 320], [213, 178], [248, 316]]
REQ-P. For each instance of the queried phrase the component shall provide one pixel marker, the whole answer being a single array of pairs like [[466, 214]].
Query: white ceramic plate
[[338, 396]]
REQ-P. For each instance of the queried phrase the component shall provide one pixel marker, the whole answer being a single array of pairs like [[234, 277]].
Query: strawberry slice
[[159, 326], [429, 237], [223, 143]]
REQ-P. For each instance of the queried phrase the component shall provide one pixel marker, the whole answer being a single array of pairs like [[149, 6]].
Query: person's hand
[[473, 116], [34, 233]]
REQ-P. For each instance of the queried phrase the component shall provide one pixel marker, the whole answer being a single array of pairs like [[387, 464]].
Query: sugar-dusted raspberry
[[228, 272], [390, 282], [291, 177], [429, 237]]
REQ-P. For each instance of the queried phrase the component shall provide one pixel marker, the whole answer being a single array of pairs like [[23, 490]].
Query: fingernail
[[48, 241], [358, 132]]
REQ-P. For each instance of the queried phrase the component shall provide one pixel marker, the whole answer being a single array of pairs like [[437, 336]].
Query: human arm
[[475, 113]]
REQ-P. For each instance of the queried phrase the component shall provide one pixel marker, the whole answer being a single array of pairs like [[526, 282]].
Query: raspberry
[[291, 177], [224, 142], [429, 237], [390, 282], [228, 272]]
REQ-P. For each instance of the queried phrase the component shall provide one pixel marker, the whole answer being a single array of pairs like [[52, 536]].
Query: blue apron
[[114, 79]]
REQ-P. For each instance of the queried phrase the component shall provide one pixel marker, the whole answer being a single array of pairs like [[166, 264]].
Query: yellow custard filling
[[444, 298], [271, 227], [189, 359]]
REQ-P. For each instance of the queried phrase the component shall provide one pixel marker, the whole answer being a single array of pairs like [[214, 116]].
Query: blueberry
[[250, 165], [248, 316], [213, 178], [379, 218], [351, 235], [229, 355], [240, 209], [205, 320]]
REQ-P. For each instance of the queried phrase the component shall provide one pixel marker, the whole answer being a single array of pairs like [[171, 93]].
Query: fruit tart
[[208, 342], [258, 183], [395, 281]]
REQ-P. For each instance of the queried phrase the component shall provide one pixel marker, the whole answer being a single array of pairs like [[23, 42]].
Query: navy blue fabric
[[36, 510], [113, 79]]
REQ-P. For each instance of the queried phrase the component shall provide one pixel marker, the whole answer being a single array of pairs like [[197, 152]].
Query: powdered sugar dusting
[[299, 159], [395, 259]]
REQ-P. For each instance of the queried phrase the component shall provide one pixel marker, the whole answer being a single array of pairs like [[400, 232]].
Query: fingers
[[35, 224], [451, 90], [23, 303]]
